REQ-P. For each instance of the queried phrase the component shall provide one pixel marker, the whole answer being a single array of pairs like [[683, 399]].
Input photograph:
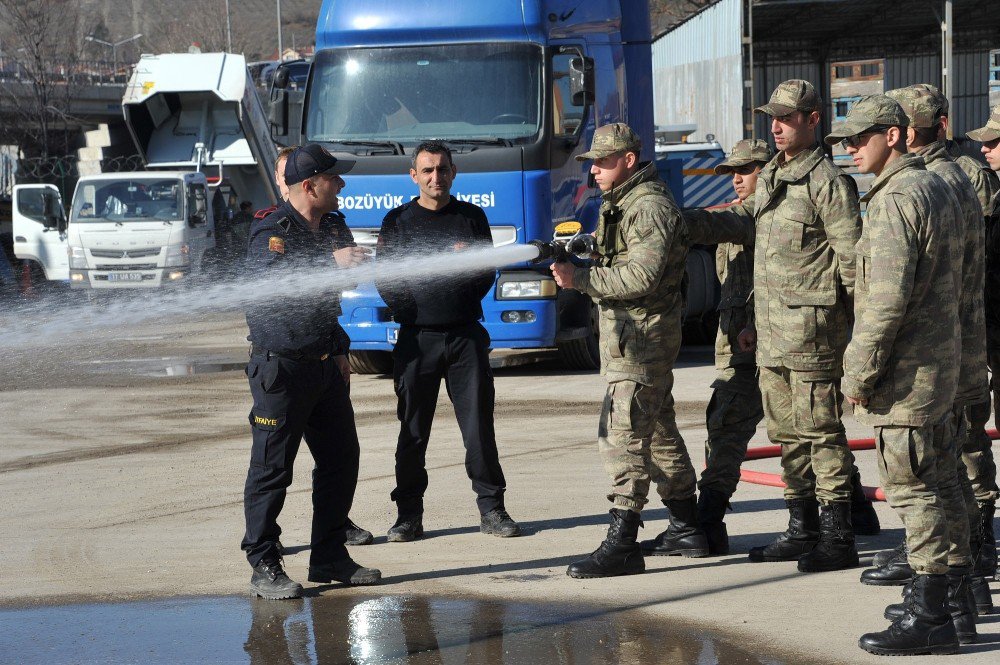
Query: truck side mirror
[[277, 114], [199, 214], [280, 80], [581, 80]]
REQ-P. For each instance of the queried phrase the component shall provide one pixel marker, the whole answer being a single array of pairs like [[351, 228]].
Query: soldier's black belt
[[290, 355]]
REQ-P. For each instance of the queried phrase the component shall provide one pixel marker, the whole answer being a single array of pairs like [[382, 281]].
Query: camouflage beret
[[866, 113], [609, 139], [991, 132], [745, 152], [792, 95]]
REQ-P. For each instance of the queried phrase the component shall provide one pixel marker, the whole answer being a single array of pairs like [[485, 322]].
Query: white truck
[[201, 130]]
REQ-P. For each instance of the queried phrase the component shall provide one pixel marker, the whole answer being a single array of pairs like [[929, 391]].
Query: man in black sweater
[[440, 336]]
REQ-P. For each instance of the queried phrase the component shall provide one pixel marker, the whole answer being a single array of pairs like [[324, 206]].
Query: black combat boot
[[711, 511], [835, 549], [864, 519], [619, 554], [270, 581], [683, 536], [988, 550], [961, 606], [800, 537], [981, 593], [925, 628], [886, 556], [894, 573], [345, 571]]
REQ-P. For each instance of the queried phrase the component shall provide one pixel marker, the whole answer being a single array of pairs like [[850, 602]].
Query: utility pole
[[279, 31], [229, 29], [947, 61]]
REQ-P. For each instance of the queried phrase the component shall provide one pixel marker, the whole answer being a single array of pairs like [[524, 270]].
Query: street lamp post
[[280, 58], [229, 29], [113, 46]]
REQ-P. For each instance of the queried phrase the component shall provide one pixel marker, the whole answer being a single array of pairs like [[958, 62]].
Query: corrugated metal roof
[[833, 25]]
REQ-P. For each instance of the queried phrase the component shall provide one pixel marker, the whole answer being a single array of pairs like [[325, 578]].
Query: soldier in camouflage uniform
[[901, 368], [923, 107], [980, 461], [641, 247], [734, 409], [806, 220]]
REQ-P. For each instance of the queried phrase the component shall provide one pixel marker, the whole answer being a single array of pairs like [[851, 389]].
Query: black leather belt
[[290, 355]]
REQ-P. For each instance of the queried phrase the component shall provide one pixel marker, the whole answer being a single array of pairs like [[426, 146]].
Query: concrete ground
[[119, 484]]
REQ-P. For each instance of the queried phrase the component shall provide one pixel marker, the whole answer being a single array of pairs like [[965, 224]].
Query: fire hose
[[774, 479]]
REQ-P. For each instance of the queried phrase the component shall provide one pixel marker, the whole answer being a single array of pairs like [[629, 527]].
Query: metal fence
[[63, 172], [75, 72]]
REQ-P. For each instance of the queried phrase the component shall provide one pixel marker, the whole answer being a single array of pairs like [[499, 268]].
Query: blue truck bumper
[[366, 319]]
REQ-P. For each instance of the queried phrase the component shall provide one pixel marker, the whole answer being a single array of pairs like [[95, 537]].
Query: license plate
[[124, 276], [392, 335]]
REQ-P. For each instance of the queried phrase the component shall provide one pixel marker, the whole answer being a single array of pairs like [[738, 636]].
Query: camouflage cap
[[991, 132], [922, 108], [938, 96], [866, 113], [792, 95], [745, 152], [610, 139]]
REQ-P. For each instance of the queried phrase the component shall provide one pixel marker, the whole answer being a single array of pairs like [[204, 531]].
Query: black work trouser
[[460, 355], [292, 399]]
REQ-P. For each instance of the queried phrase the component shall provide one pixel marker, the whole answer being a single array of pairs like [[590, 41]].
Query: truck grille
[[124, 253], [126, 266]]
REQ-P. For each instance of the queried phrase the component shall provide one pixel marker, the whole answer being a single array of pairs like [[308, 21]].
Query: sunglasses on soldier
[[856, 140]]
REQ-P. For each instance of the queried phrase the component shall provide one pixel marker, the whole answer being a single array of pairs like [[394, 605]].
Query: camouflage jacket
[[984, 180], [806, 223], [734, 265], [904, 355], [973, 383], [642, 244]]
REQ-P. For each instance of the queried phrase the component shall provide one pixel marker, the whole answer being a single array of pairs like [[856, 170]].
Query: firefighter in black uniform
[[440, 337], [299, 378]]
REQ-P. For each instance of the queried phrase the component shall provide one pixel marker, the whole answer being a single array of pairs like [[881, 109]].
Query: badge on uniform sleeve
[[276, 244]]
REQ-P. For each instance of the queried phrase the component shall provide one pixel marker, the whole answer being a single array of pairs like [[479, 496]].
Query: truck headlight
[[525, 286], [77, 257], [178, 255]]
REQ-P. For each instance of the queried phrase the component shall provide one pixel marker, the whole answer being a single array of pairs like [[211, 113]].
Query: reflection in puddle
[[348, 629]]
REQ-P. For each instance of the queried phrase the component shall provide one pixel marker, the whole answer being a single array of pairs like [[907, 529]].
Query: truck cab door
[[39, 227]]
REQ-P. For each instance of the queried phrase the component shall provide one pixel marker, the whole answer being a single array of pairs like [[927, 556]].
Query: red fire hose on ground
[[774, 479]]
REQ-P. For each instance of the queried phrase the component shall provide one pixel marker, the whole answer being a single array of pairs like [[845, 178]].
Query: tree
[[41, 55], [665, 14]]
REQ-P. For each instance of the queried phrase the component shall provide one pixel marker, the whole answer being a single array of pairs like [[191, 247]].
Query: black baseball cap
[[313, 159]]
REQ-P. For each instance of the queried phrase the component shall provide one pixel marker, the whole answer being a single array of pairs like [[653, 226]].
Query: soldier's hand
[[747, 339], [863, 401], [344, 365], [562, 272], [348, 257], [460, 246]]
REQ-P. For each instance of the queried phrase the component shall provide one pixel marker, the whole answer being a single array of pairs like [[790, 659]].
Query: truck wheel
[[582, 353], [370, 362]]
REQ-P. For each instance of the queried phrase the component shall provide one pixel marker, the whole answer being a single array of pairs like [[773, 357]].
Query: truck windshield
[[128, 200], [409, 94]]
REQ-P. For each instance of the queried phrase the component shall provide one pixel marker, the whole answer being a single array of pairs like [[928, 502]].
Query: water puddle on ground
[[352, 629], [168, 366]]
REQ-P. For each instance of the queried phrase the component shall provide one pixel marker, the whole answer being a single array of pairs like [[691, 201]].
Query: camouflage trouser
[[638, 442], [917, 472], [803, 417], [978, 453], [961, 531], [732, 417]]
